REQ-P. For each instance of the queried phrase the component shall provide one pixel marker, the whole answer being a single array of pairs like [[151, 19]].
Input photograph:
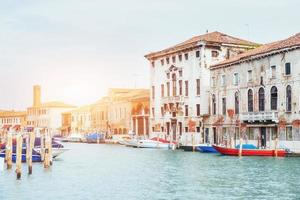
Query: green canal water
[[111, 172]]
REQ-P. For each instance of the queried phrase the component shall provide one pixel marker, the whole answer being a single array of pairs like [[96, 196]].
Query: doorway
[[263, 137]]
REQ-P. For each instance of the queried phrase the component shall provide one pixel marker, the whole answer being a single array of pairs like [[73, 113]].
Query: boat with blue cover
[[206, 148]]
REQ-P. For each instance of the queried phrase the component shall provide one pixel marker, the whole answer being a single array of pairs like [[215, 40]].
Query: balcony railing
[[260, 116], [173, 99]]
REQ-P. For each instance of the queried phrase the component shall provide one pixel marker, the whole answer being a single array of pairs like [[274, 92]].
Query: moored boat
[[250, 152], [206, 148], [152, 143]]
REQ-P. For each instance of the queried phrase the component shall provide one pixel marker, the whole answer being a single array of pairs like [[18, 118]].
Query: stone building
[[46, 115], [180, 82], [99, 113], [66, 123], [81, 119], [257, 95], [15, 120]]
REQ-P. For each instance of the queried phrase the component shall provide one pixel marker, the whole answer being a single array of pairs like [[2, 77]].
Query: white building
[[81, 120], [46, 115], [260, 89], [180, 80]]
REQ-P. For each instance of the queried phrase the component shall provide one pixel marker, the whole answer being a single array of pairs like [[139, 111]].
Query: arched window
[[237, 103], [250, 100], [213, 104], [274, 98], [288, 98], [261, 99]]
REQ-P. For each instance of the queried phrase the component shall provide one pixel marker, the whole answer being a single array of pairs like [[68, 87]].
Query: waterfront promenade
[[117, 172]]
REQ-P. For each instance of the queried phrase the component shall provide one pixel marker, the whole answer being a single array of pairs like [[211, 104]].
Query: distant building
[[66, 123], [180, 82], [15, 120], [99, 113], [256, 95], [46, 115], [124, 103], [81, 120]]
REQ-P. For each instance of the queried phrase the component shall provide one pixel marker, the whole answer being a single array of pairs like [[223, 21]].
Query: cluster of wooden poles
[[45, 150]]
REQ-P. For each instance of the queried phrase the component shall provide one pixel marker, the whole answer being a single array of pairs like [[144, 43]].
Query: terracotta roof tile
[[213, 37], [270, 48]]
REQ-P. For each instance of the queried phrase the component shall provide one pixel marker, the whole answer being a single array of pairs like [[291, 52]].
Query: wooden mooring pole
[[47, 151], [19, 139], [276, 149], [8, 151], [30, 145]]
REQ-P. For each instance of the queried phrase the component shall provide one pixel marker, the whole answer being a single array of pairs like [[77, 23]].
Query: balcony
[[260, 116], [172, 99]]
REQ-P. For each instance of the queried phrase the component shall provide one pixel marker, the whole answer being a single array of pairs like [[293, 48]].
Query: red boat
[[249, 152]]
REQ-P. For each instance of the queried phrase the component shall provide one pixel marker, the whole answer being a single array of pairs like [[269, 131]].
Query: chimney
[[36, 96]]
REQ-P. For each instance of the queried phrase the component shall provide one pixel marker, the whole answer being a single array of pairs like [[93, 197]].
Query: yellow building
[[15, 120], [99, 113], [81, 120]]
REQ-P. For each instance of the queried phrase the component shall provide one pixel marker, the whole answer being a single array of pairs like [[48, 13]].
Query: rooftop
[[264, 50], [57, 104], [12, 113], [213, 37]]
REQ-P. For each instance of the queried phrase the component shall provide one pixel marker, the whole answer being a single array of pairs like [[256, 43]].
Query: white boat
[[55, 151], [152, 143], [74, 138]]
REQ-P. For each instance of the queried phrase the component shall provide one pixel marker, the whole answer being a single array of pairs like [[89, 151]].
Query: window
[[198, 86], [162, 111], [186, 88], [288, 98], [180, 87], [162, 61], [273, 71], [153, 92], [289, 133], [168, 89], [224, 106], [249, 75], [186, 129], [168, 75], [153, 112], [274, 97], [153, 64], [235, 78], [213, 104], [168, 60], [223, 80], [250, 100], [186, 56], [198, 109], [214, 54], [180, 57], [237, 103], [287, 68], [250, 134], [197, 54], [162, 90], [180, 73], [174, 59], [174, 84], [214, 83], [198, 129], [186, 110], [261, 99]]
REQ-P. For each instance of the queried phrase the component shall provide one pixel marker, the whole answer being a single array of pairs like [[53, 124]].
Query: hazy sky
[[77, 49]]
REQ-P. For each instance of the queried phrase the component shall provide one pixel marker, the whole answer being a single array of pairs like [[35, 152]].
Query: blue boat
[[207, 148], [94, 138], [36, 157]]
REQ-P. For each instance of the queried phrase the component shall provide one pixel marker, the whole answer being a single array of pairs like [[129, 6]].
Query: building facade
[[15, 120], [46, 115], [81, 120], [180, 83], [256, 95], [99, 113]]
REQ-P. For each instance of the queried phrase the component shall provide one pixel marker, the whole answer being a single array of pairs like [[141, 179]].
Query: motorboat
[[155, 142], [250, 152], [206, 148]]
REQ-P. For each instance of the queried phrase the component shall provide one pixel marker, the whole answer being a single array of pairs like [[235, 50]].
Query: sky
[[78, 49]]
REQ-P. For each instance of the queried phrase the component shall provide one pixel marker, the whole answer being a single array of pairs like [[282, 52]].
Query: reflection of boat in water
[[250, 152], [151, 143], [206, 148]]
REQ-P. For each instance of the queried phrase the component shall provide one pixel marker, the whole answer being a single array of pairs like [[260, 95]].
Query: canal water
[[109, 172]]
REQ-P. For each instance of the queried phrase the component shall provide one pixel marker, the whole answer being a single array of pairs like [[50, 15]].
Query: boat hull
[[249, 152], [206, 149]]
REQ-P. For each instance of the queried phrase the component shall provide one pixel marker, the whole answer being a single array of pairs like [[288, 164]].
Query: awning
[[17, 127], [6, 126]]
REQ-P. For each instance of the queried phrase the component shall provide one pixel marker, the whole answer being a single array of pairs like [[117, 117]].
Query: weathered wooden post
[[47, 152], [50, 148], [8, 151], [19, 139], [42, 138], [30, 146]]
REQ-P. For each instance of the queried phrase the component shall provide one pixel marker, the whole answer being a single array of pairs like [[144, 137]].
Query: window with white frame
[[223, 80], [249, 75], [273, 71], [235, 78]]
